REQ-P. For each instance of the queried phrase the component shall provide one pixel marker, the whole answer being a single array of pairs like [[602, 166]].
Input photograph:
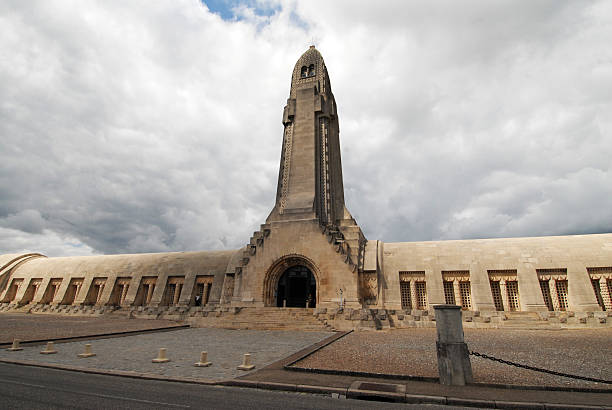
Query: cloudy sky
[[149, 126]]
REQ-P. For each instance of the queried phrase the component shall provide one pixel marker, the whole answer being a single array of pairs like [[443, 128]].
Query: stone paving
[[134, 353], [584, 352]]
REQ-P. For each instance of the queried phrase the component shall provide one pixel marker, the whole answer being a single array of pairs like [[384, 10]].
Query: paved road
[[25, 387]]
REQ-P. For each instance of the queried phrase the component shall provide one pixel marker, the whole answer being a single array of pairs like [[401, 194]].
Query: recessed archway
[[296, 288], [292, 282]]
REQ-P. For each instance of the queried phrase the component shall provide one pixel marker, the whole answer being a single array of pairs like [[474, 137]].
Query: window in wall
[[174, 287], [171, 290], [449, 293], [311, 70], [412, 289], [421, 293], [466, 296], [74, 288], [561, 286], [31, 291], [304, 72], [513, 295], [504, 289], [546, 294], [555, 294], [457, 290], [119, 292], [597, 290], [601, 279], [11, 294], [145, 291], [405, 294], [496, 292]]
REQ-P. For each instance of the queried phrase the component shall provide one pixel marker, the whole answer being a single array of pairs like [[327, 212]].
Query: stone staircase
[[523, 320], [261, 318]]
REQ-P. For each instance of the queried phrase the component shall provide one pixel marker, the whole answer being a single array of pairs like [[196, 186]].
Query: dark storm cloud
[[139, 127]]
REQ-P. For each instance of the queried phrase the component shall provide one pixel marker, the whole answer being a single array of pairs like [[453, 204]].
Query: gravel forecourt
[[584, 352]]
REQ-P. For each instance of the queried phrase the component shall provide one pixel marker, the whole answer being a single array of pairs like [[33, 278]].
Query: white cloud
[[139, 126], [53, 244]]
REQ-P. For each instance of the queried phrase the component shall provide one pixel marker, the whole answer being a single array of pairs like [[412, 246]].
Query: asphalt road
[[26, 387]]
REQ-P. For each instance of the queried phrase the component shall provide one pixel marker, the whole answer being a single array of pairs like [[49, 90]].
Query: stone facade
[[311, 253]]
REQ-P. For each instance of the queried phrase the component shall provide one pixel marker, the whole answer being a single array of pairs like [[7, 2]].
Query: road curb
[[290, 387]]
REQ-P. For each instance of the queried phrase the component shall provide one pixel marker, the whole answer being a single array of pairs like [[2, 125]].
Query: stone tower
[[310, 176], [310, 247]]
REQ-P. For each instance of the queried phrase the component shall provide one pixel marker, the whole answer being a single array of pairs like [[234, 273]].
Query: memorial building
[[311, 253]]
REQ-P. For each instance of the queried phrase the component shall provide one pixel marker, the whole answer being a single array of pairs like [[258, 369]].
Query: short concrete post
[[88, 352], [49, 349], [246, 363], [203, 360], [15, 346], [454, 365], [161, 356]]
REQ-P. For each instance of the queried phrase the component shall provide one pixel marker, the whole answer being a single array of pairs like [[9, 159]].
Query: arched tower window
[[311, 70], [304, 72]]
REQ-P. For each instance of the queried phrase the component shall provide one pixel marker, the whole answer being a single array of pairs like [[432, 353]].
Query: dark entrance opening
[[297, 287]]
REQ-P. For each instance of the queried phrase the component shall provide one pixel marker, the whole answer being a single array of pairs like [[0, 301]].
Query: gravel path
[[585, 352], [134, 353]]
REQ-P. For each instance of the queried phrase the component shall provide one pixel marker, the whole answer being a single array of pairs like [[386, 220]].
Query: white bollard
[[161, 356], [203, 360], [15, 347], [88, 352], [49, 349], [246, 363]]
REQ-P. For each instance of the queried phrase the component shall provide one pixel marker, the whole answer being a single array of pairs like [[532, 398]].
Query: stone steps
[[263, 318]]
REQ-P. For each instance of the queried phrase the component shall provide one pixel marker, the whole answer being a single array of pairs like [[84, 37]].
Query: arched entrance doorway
[[292, 278], [296, 287]]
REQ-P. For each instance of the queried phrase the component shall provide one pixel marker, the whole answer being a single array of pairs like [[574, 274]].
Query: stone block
[[355, 314]]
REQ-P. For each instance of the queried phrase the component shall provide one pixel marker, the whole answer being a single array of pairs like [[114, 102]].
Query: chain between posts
[[538, 369]]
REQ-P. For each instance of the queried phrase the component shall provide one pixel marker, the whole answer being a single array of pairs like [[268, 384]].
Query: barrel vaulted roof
[[179, 263]]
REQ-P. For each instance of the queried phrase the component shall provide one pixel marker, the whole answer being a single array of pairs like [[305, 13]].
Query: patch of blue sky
[[227, 9]]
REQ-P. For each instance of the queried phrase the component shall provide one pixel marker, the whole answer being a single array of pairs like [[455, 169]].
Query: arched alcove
[[293, 279]]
